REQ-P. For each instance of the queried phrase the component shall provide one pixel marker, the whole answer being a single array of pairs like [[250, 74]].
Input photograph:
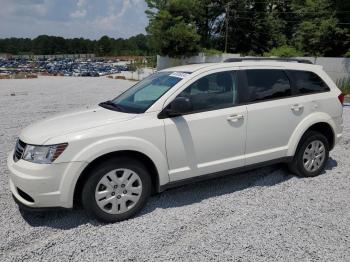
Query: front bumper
[[43, 185], [34, 209]]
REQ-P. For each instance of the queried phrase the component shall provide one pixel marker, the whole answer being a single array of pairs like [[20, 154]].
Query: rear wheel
[[311, 156], [116, 190]]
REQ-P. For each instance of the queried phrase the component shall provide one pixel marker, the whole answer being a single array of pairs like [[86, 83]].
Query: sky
[[72, 18]]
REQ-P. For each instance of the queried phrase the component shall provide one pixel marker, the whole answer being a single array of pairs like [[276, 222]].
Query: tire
[[116, 190], [302, 164]]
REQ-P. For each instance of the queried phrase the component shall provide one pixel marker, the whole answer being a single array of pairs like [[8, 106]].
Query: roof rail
[[241, 59]]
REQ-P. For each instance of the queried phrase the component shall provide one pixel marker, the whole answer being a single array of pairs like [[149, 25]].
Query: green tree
[[319, 32], [205, 16], [284, 51], [42, 45], [104, 45], [171, 27]]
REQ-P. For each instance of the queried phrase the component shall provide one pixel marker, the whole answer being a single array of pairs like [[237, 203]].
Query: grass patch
[[344, 85], [210, 52]]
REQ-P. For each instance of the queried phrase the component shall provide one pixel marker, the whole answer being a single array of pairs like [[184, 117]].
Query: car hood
[[70, 122]]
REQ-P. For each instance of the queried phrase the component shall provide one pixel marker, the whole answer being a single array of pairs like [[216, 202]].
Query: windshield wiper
[[110, 105]]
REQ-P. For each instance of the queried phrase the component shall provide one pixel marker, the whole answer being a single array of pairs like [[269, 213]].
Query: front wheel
[[116, 190], [311, 156]]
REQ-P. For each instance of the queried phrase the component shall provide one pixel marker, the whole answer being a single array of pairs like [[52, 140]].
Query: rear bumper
[[338, 130]]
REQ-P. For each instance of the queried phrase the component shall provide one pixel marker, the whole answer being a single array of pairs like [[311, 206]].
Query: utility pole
[[226, 30]]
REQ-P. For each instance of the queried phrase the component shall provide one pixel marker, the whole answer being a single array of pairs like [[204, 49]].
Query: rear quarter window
[[307, 82]]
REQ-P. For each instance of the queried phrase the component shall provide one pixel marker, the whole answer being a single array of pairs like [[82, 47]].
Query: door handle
[[235, 118], [297, 107]]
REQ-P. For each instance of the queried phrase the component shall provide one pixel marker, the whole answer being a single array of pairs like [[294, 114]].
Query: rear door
[[274, 111], [315, 93]]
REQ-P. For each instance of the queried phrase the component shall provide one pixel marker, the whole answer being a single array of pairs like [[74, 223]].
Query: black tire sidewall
[[88, 192], [307, 139]]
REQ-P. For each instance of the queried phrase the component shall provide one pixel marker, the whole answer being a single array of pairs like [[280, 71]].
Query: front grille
[[19, 149]]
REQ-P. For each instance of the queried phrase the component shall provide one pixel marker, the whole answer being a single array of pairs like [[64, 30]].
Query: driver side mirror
[[178, 107]]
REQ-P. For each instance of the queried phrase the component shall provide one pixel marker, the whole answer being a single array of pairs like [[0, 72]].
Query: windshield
[[141, 96]]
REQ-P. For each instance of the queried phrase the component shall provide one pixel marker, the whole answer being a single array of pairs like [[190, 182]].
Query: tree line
[[186, 27], [105, 46]]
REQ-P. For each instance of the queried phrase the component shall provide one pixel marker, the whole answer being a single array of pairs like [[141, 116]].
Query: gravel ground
[[264, 215]]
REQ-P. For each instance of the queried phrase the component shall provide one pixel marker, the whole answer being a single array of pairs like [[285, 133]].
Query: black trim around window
[[247, 96], [296, 89], [243, 96], [295, 92], [163, 114]]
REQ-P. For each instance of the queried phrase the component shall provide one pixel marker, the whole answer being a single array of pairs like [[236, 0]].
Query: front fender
[[109, 145], [304, 125]]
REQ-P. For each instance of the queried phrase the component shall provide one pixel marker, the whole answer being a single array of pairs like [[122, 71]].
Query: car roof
[[189, 68], [287, 65]]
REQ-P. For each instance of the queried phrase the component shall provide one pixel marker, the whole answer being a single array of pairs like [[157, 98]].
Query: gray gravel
[[263, 215]]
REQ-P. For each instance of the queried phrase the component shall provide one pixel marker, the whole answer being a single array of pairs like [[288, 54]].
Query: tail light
[[341, 98]]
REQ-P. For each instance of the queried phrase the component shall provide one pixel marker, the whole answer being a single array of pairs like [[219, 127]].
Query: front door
[[211, 137]]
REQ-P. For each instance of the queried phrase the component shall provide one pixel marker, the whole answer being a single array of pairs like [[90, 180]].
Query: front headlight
[[43, 154]]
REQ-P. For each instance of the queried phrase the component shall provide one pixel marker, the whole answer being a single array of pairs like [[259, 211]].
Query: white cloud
[[81, 3], [78, 14], [114, 16], [79, 18], [24, 8], [80, 11]]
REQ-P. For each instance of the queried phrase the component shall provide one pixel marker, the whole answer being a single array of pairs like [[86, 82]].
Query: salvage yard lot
[[265, 215]]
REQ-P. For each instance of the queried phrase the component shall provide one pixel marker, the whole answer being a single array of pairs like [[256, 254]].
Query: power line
[[268, 34], [288, 21], [289, 12], [294, 12]]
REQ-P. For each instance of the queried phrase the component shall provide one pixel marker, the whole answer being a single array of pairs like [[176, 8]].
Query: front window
[[214, 91], [144, 94]]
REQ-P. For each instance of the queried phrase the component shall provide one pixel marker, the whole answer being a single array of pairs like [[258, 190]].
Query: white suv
[[179, 125]]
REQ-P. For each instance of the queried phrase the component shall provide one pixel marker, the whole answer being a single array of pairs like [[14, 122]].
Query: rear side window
[[265, 84], [307, 82]]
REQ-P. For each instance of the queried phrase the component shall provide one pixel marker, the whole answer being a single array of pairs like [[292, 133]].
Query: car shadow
[[176, 197], [331, 163]]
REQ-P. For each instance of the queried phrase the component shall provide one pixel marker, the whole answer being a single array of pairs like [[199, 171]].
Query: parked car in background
[[60, 66], [179, 125]]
